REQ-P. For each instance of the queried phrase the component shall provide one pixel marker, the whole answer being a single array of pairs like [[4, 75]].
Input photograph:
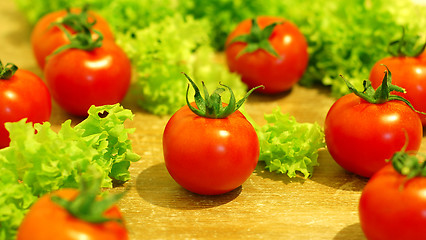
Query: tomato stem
[[406, 46], [383, 93], [211, 106], [7, 71], [257, 39], [87, 206], [83, 28], [408, 164]]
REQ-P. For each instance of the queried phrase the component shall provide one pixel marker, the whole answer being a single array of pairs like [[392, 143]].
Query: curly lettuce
[[344, 37], [40, 160], [162, 51], [289, 147]]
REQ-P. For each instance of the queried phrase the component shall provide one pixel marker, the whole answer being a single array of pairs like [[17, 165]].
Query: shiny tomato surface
[[46, 37], [209, 156], [24, 95], [408, 73], [78, 79], [392, 207], [260, 67], [48, 220], [361, 136]]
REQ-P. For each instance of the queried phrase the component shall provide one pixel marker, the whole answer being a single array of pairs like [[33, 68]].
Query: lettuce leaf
[[344, 37], [289, 147], [162, 51], [40, 160]]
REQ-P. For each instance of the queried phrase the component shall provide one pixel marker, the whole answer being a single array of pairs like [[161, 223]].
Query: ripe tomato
[[261, 67], [392, 207], [24, 95], [78, 79], [360, 135], [408, 73], [48, 220], [209, 156], [45, 37]]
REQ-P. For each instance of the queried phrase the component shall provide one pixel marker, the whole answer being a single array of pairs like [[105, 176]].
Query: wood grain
[[267, 206]]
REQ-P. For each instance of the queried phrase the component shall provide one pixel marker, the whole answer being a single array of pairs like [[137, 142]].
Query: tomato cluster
[[82, 64], [370, 133]]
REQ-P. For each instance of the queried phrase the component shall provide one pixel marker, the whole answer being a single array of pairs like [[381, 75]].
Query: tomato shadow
[[156, 186], [330, 174], [350, 232], [263, 97]]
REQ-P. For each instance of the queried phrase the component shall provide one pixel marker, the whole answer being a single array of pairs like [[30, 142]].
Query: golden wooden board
[[267, 206]]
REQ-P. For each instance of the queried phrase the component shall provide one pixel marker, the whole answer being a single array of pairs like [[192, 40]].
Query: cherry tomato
[[48, 220], [260, 67], [360, 135], [78, 79], [392, 207], [24, 95], [408, 73], [46, 37], [210, 156]]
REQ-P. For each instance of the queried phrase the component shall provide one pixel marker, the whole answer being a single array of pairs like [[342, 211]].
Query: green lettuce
[[344, 37], [162, 51], [40, 160], [289, 147]]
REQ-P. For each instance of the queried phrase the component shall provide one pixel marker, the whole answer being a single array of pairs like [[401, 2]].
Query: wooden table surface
[[266, 206]]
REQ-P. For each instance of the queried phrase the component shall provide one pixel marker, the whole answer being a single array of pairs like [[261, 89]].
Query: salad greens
[[344, 37], [39, 160], [287, 146]]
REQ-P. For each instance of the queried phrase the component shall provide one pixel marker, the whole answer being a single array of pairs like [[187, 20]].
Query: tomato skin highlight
[[408, 73], [45, 38], [24, 95], [262, 68], [360, 136], [47, 220], [78, 79], [209, 156], [391, 207]]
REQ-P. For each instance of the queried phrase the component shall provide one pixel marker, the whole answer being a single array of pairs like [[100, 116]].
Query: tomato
[[48, 220], [78, 78], [278, 72], [209, 156], [408, 73], [209, 147], [23, 95], [45, 37], [392, 207], [360, 135]]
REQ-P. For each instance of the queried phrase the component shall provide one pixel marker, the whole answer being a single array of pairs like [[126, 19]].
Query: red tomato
[[48, 220], [260, 67], [209, 156], [78, 79], [24, 95], [360, 135], [408, 73], [45, 38], [392, 207]]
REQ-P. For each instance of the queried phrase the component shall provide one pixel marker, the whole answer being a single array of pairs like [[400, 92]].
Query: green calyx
[[408, 164], [257, 39], [211, 106], [383, 93], [82, 39], [407, 46], [87, 206], [7, 71]]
